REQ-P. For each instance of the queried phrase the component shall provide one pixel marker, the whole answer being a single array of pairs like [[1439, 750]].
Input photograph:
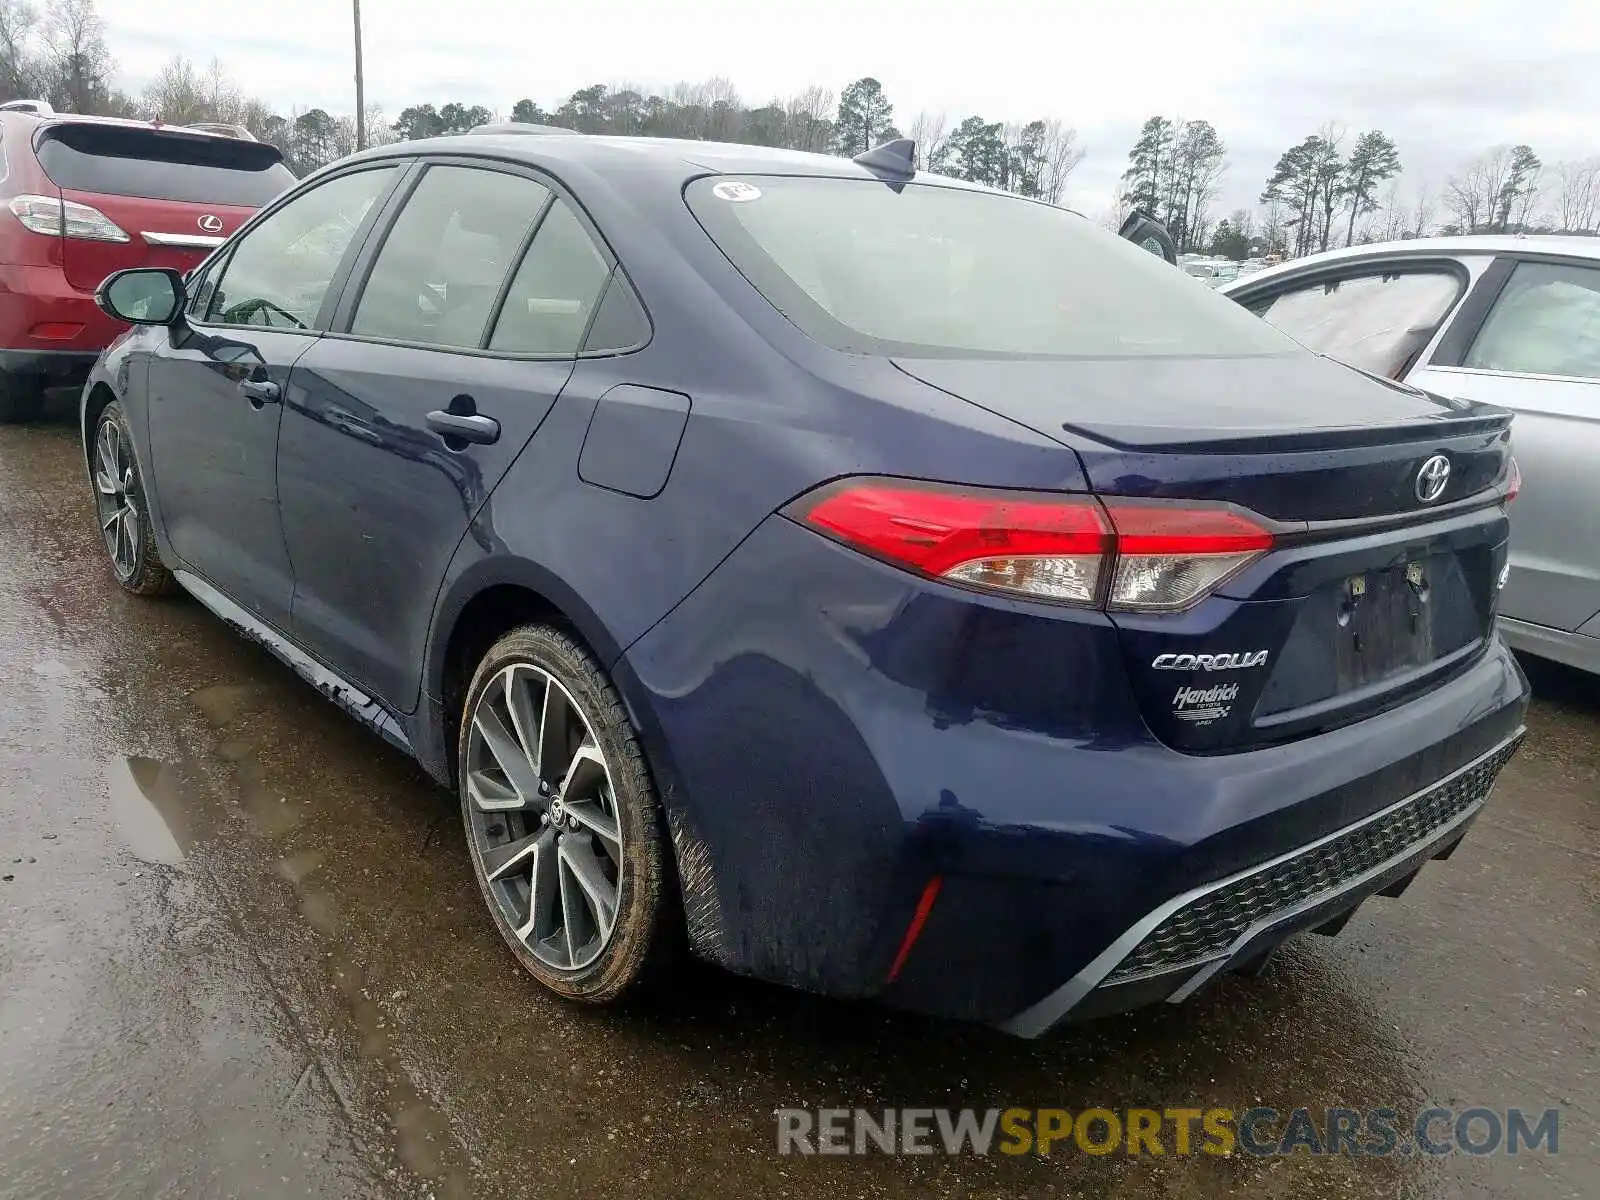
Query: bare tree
[[927, 131], [809, 120], [1422, 213], [178, 95], [1577, 202], [79, 63], [1062, 154], [19, 69]]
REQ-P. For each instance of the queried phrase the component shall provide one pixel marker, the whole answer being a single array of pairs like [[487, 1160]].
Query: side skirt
[[353, 700]]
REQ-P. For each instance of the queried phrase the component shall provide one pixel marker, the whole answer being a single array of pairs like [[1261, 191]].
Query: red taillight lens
[[1045, 546], [1157, 556], [1168, 557], [1513, 481]]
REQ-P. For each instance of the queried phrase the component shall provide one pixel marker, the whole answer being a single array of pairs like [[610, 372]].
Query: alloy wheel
[[542, 813], [115, 500]]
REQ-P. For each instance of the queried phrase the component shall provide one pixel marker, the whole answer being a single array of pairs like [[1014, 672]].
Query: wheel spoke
[[587, 770], [597, 821], [600, 896], [502, 744], [572, 903], [554, 722], [489, 794], [541, 920], [524, 708], [116, 515], [107, 453], [103, 482], [125, 551], [499, 860]]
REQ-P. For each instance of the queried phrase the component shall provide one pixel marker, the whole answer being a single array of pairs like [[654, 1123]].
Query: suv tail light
[[1069, 549], [66, 218], [1513, 480]]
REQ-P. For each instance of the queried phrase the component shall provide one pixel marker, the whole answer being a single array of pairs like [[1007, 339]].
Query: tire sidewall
[[639, 913]]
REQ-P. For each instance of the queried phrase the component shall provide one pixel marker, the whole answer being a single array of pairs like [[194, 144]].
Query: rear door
[[1537, 352], [457, 333], [217, 388], [152, 197]]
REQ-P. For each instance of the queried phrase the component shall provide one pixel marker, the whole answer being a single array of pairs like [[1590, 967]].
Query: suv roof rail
[[42, 107], [521, 127]]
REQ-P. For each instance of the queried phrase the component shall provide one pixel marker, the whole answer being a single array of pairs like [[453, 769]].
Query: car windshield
[[941, 271]]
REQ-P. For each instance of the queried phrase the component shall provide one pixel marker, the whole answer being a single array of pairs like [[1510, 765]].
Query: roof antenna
[[896, 159]]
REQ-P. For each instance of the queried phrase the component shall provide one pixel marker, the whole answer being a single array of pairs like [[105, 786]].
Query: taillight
[[1044, 546], [1069, 549], [1513, 480], [1169, 556], [66, 218]]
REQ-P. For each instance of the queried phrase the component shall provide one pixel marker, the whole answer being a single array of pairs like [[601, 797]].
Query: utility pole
[[361, 89]]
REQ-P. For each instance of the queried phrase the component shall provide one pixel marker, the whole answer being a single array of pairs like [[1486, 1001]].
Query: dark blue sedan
[[882, 585]]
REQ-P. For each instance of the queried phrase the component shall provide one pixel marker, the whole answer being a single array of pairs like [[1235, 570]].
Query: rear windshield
[[939, 271], [162, 166]]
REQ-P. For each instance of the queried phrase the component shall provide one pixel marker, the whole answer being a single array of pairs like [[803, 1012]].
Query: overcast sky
[[1444, 78]]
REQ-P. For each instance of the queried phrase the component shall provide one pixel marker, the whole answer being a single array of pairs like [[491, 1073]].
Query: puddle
[[148, 803]]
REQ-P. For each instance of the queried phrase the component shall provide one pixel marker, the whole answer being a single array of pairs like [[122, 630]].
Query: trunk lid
[[1378, 586], [176, 194]]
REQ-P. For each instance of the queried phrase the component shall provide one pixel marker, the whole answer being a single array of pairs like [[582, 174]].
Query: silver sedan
[[1513, 321]]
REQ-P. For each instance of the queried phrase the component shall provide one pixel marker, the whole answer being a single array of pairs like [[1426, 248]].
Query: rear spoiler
[[181, 143]]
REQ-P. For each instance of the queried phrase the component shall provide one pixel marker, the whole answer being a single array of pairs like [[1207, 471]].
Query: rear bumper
[[830, 735], [1239, 921], [43, 315], [57, 368]]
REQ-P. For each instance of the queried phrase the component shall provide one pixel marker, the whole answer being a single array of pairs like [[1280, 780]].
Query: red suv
[[81, 197]]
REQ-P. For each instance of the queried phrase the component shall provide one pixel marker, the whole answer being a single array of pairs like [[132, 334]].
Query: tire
[[544, 882], [121, 512], [21, 399]]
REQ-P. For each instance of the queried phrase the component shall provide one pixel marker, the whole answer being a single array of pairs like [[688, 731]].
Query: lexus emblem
[[1431, 479], [213, 224]]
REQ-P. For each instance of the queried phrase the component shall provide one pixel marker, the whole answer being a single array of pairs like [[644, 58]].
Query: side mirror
[[142, 296], [1149, 234]]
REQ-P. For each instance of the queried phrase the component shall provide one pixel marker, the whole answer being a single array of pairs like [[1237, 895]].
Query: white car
[[1512, 321]]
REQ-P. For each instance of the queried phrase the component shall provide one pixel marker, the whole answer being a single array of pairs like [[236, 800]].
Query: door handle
[[260, 391], [466, 427]]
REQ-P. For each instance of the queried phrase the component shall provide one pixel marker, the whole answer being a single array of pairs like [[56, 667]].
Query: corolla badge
[[1432, 477], [1209, 662], [210, 223]]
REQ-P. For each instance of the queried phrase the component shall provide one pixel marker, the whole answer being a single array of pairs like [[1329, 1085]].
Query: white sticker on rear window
[[736, 192]]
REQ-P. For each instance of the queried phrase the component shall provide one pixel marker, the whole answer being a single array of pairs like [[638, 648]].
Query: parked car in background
[[1512, 321], [85, 196], [889, 586]]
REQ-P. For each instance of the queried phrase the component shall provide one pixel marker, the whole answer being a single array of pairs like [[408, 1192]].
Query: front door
[[437, 372], [218, 386]]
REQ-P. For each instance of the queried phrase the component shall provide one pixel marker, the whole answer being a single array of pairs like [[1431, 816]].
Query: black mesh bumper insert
[[1209, 924]]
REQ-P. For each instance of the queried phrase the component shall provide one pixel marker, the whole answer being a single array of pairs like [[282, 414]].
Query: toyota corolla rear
[[86, 197], [1028, 735]]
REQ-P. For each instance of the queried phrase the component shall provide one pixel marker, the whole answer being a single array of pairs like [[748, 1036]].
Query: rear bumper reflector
[[914, 930]]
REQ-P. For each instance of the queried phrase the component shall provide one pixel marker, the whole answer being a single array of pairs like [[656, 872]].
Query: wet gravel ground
[[242, 954]]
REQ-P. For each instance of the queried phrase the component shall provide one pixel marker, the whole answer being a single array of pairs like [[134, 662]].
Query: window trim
[[336, 282], [1493, 285], [360, 272]]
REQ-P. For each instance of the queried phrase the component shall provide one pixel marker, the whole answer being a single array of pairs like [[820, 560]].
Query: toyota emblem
[[1431, 479], [211, 224]]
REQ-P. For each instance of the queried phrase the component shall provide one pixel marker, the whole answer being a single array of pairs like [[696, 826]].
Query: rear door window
[[162, 165], [444, 262], [280, 271], [1379, 322], [1545, 322], [556, 289]]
